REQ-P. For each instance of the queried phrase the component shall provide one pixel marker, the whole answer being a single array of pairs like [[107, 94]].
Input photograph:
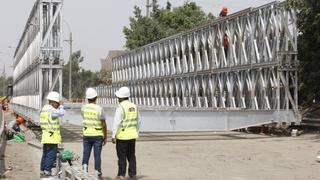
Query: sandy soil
[[18, 160], [219, 156], [262, 158]]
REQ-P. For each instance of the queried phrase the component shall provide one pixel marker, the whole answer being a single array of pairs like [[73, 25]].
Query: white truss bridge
[[189, 81]]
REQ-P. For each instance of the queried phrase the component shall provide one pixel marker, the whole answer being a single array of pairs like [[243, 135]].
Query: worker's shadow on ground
[[70, 135]]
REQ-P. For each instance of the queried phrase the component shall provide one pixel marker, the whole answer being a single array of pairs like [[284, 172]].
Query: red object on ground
[[20, 120]]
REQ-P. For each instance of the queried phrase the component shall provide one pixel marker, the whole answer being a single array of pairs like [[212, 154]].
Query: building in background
[[106, 63]]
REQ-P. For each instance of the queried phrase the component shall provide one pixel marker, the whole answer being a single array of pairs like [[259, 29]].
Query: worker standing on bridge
[[126, 126], [94, 131], [50, 124], [223, 12]]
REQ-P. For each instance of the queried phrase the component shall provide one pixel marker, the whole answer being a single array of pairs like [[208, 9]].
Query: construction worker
[[223, 12], [126, 126], [94, 131], [13, 127], [50, 125], [226, 43]]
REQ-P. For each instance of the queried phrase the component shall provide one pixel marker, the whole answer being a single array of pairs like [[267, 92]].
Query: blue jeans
[[95, 142], [49, 155]]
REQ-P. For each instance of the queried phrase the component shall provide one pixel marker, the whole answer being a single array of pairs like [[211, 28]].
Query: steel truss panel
[[38, 58], [255, 71]]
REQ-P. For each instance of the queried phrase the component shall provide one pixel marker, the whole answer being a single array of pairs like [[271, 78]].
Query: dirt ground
[[192, 156], [258, 157], [18, 161]]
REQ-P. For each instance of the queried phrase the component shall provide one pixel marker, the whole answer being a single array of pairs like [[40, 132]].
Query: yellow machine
[[4, 102]]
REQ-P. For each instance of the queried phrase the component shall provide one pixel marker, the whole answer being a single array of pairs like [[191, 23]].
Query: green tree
[[105, 77], [81, 78], [308, 49], [4, 82], [162, 23]]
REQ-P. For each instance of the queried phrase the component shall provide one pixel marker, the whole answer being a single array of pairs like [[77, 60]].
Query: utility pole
[[70, 55], [70, 65], [148, 6], [13, 60]]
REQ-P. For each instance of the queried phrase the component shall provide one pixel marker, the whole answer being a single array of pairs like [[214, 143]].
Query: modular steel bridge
[[193, 80]]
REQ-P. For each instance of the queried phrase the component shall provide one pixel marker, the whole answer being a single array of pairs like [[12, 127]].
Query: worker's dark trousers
[[49, 155], [126, 150], [95, 142]]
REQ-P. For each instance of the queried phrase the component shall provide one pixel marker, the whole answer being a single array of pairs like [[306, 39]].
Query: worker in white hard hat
[[94, 131], [50, 125], [125, 131]]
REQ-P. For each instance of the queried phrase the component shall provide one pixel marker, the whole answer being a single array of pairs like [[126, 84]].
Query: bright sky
[[96, 24]]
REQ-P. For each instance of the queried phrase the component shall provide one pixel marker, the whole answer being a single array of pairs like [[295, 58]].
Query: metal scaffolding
[[38, 58]]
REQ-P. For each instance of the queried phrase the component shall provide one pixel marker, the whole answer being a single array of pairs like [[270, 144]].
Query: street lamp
[[70, 45]]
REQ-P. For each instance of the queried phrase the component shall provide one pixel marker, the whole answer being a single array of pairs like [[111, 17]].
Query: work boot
[[132, 177], [45, 174], [85, 167], [100, 177], [119, 178], [41, 174]]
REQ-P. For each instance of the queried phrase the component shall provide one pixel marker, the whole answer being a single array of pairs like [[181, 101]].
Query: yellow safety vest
[[129, 121], [92, 124], [50, 127]]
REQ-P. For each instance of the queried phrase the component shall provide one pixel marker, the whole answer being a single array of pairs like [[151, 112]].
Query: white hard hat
[[123, 92], [53, 96], [91, 93]]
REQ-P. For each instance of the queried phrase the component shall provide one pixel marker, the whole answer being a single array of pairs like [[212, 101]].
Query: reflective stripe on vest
[[129, 123], [50, 127], [92, 125]]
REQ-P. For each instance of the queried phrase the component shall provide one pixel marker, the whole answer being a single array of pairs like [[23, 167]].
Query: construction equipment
[[4, 103], [18, 137]]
